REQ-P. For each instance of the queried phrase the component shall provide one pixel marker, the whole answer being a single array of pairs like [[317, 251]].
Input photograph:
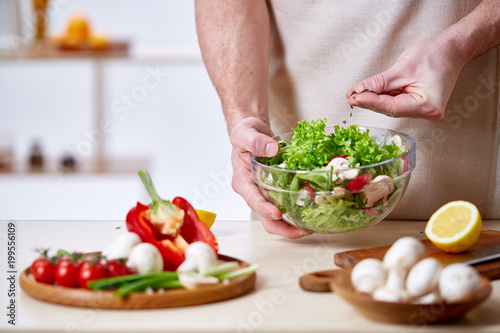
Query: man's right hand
[[253, 135]]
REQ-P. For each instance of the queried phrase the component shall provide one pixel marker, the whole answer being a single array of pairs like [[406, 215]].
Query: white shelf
[[177, 56]]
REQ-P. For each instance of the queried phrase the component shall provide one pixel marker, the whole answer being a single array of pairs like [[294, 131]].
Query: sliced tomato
[[370, 211], [359, 182], [310, 191], [405, 163]]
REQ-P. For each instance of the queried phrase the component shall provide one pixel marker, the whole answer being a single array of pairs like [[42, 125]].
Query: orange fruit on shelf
[[78, 28]]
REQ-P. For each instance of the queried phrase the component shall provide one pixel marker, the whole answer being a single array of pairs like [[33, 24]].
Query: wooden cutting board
[[140, 300], [320, 281]]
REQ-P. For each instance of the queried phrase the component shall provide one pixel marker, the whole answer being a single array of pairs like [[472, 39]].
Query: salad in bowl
[[336, 179]]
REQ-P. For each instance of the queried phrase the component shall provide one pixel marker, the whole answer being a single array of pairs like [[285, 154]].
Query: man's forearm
[[234, 40], [477, 32]]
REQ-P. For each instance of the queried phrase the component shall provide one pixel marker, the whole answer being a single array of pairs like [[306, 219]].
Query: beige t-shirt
[[321, 48]]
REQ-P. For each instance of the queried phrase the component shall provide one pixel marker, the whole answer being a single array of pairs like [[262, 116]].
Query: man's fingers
[[254, 199], [283, 229], [383, 83], [254, 137], [402, 105]]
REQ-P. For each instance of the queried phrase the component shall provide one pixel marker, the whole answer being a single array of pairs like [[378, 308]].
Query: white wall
[[178, 126]]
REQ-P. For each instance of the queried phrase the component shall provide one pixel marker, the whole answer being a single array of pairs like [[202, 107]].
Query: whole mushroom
[[199, 257], [368, 275], [458, 283], [423, 277], [145, 258], [429, 298], [121, 246], [398, 260]]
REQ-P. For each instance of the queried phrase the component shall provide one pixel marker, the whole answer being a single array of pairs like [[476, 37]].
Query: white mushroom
[[404, 253], [282, 165], [338, 192], [368, 275], [338, 163], [423, 277], [377, 189], [199, 257], [341, 170], [430, 298], [398, 260], [145, 258], [390, 295], [396, 139], [121, 246], [396, 278], [349, 173], [458, 283], [192, 281]]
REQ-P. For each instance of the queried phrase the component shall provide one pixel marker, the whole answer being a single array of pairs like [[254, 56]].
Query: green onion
[[167, 284], [139, 285], [222, 268], [239, 272], [119, 281]]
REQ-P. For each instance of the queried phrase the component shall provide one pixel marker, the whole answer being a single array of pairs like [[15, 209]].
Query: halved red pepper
[[193, 229], [171, 246]]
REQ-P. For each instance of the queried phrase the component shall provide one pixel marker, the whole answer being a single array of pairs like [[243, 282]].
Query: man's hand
[[417, 86], [420, 83], [252, 135]]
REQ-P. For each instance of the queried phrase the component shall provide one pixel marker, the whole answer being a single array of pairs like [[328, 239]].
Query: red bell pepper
[[182, 225]]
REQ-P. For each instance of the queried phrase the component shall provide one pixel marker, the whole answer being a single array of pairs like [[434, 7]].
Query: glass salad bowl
[[337, 197]]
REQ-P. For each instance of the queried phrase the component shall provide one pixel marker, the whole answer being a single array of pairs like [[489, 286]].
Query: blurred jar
[[40, 19], [36, 160], [6, 152]]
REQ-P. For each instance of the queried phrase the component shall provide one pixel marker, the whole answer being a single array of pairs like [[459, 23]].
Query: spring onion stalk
[[141, 285], [222, 268], [239, 272], [116, 282], [167, 284]]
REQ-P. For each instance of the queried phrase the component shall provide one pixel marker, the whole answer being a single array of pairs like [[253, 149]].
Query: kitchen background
[[75, 126]]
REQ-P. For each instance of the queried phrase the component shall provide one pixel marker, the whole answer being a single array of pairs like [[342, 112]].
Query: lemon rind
[[475, 216]]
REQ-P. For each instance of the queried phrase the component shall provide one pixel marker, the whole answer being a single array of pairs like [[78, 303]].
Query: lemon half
[[208, 218], [454, 227]]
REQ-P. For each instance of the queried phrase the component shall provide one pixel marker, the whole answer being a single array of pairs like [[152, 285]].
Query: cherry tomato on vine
[[42, 270], [118, 268], [92, 269], [66, 272]]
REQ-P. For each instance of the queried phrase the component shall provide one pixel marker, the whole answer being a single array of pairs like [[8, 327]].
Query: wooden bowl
[[139, 300], [404, 313]]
